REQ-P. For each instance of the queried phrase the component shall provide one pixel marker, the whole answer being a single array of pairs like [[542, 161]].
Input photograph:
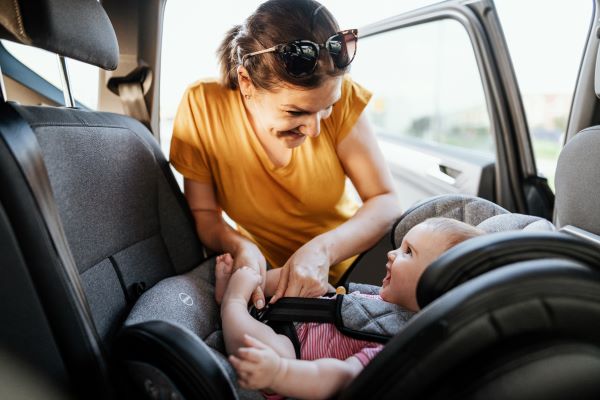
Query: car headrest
[[597, 74], [78, 29], [578, 183]]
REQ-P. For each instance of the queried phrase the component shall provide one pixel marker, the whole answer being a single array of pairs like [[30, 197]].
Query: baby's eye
[[408, 251], [295, 113]]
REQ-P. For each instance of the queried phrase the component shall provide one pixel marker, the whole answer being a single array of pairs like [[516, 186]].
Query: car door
[[447, 111], [446, 107]]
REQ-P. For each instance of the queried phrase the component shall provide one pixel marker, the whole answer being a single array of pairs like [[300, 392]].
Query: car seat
[[90, 217]]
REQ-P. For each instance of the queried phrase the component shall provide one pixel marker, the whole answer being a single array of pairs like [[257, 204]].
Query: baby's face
[[419, 248]]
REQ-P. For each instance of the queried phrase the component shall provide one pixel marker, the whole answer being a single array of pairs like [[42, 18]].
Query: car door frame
[[518, 187]]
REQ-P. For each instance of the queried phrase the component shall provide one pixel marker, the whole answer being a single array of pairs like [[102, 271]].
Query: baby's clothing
[[324, 340]]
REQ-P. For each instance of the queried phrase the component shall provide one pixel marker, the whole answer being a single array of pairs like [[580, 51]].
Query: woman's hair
[[454, 230], [275, 22]]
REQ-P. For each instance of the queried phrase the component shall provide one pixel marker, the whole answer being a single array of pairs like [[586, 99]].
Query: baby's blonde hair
[[456, 231]]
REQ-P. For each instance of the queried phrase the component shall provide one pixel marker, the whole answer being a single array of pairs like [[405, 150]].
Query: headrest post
[[3, 96], [66, 84]]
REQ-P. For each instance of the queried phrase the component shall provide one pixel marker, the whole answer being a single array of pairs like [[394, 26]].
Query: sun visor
[[78, 29]]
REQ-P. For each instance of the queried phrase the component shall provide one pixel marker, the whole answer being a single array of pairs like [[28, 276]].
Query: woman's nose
[[312, 125]]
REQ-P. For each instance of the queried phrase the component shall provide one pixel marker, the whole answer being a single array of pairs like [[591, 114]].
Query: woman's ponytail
[[227, 55]]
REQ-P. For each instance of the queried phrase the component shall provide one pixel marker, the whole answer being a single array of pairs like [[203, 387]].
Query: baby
[[266, 360]]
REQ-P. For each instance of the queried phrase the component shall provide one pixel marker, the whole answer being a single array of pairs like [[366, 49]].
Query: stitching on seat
[[19, 21], [96, 262]]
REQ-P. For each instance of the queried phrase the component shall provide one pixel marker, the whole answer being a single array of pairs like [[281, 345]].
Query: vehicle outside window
[[428, 101], [546, 40], [84, 78]]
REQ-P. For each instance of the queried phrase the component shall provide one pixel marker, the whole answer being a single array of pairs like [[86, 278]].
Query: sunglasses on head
[[300, 57]]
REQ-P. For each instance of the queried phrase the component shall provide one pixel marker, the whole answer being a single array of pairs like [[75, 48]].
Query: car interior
[[106, 291]]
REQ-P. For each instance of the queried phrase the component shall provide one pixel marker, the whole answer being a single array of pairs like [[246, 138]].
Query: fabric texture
[[576, 172], [278, 208], [126, 230], [187, 300], [369, 314], [76, 29], [323, 340], [470, 209], [514, 221]]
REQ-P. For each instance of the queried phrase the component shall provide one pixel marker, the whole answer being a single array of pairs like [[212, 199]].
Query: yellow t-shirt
[[278, 208]]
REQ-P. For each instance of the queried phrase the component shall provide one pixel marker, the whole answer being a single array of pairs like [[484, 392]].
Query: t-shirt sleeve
[[346, 111], [367, 353], [188, 153]]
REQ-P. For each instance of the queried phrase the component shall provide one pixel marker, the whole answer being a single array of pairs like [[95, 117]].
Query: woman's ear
[[246, 86]]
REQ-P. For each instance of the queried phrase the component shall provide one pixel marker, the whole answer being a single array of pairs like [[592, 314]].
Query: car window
[[546, 40], [426, 86], [84, 78]]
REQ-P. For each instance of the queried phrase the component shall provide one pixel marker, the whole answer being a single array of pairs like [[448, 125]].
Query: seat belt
[[131, 89]]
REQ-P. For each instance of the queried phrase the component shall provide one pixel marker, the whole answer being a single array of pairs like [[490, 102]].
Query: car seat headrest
[[473, 210], [78, 29], [577, 182], [470, 209]]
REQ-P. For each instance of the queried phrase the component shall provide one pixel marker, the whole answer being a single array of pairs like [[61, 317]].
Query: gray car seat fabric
[[577, 189], [371, 317], [124, 223], [186, 300], [470, 209], [75, 29]]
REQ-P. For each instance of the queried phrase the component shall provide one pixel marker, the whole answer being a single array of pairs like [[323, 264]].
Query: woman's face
[[290, 114]]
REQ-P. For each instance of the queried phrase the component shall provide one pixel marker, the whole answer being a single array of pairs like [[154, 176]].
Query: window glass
[[426, 86], [546, 40], [84, 78]]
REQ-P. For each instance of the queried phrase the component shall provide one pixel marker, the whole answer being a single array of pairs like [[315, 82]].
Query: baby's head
[[421, 245]]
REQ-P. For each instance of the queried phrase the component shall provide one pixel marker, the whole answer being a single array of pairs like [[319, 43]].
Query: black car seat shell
[[525, 331]]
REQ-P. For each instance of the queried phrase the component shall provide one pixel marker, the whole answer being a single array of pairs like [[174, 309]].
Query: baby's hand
[[241, 284], [257, 365]]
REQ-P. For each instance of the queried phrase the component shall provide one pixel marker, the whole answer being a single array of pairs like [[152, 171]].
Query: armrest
[[179, 355], [479, 255]]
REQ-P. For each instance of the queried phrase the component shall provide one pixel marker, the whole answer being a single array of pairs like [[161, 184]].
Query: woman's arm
[[306, 272], [216, 233], [365, 165], [260, 367]]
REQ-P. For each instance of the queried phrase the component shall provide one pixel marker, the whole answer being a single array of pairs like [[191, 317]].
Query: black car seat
[[525, 331], [90, 217]]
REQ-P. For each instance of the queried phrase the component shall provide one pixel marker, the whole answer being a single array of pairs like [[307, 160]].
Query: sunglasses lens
[[342, 48], [300, 58]]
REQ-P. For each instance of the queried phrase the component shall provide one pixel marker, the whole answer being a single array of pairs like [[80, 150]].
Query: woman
[[272, 143]]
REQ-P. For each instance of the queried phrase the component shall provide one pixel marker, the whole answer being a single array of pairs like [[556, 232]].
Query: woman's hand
[[248, 255], [305, 274]]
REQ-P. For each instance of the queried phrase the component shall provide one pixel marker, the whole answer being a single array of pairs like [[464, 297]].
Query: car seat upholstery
[[94, 215]]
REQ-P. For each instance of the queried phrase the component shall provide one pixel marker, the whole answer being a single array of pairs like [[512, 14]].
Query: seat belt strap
[[131, 89]]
